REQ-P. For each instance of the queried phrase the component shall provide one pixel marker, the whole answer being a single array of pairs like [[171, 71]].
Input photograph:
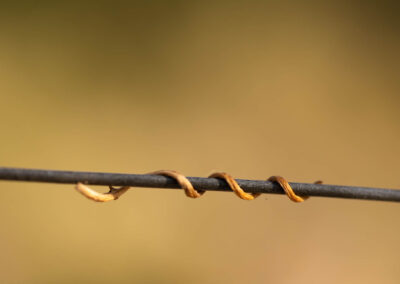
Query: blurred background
[[306, 90]]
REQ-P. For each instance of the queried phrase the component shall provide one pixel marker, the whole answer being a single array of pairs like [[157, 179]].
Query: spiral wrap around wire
[[188, 188]]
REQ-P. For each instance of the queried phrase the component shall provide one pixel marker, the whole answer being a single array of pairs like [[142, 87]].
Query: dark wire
[[157, 181]]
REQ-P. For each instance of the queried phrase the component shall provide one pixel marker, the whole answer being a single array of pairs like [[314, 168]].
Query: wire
[[201, 184]]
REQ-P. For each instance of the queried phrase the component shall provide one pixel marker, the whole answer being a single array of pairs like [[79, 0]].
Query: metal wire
[[204, 184]]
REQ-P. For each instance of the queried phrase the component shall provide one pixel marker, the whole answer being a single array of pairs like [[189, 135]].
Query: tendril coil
[[190, 191]]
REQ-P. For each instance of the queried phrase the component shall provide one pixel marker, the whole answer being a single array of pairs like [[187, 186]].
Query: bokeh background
[[306, 90]]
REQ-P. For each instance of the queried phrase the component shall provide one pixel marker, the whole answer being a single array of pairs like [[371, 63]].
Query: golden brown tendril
[[234, 186], [113, 194], [185, 184]]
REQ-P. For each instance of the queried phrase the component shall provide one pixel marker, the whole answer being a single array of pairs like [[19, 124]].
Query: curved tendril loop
[[288, 189], [91, 194], [184, 183], [234, 186]]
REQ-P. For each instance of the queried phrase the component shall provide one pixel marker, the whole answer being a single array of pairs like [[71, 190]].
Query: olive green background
[[300, 89]]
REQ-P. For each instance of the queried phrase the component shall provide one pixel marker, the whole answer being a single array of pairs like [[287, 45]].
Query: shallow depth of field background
[[254, 88]]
